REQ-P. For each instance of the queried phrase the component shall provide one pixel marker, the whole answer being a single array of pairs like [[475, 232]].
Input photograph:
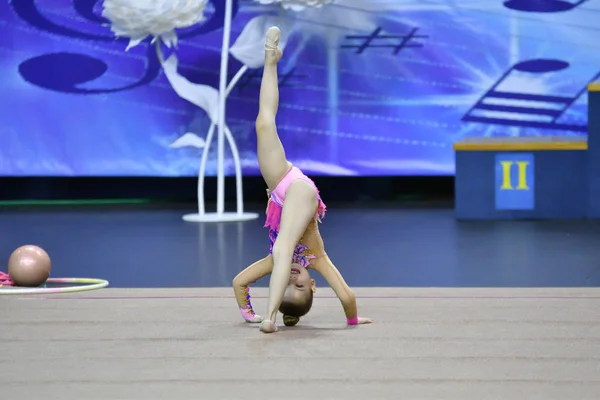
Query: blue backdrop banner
[[368, 87]]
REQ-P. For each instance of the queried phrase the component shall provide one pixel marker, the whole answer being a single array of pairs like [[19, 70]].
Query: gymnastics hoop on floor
[[88, 284]]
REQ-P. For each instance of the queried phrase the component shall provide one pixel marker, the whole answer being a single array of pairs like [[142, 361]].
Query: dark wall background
[[336, 189]]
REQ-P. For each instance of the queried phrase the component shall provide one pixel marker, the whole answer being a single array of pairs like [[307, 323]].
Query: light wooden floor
[[189, 344]]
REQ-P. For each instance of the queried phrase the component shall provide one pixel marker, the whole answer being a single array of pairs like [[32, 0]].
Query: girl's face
[[300, 285]]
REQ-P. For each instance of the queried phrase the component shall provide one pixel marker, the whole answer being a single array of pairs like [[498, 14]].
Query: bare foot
[[272, 51], [268, 326]]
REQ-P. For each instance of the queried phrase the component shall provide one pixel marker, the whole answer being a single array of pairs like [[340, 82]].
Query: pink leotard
[[276, 200]]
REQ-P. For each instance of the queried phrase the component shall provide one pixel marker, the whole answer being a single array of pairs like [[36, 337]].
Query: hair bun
[[289, 320]]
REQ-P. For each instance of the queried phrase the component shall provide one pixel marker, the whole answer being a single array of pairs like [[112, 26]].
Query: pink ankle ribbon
[[248, 315], [352, 321]]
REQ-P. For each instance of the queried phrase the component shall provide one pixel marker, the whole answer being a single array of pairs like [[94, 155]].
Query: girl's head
[[298, 297]]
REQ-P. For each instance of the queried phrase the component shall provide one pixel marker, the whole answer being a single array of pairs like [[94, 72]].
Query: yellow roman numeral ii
[[522, 177]]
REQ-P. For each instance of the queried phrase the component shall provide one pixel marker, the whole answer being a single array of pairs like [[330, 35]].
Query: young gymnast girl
[[293, 210]]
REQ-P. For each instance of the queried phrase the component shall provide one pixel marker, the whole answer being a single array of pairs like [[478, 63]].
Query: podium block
[[522, 178], [594, 149]]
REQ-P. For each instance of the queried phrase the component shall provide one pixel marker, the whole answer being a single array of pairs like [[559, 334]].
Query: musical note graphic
[[252, 78], [49, 71], [86, 9], [530, 110], [64, 71], [542, 6], [375, 35]]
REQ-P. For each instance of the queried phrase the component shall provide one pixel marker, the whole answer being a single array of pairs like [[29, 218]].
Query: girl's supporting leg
[[271, 154], [298, 211]]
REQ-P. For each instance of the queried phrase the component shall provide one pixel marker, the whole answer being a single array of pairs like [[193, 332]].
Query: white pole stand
[[220, 217], [223, 133]]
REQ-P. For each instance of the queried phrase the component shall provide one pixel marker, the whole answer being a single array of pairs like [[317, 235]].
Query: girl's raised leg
[[271, 155]]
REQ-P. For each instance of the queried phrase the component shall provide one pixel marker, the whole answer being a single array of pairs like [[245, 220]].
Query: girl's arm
[[241, 282], [325, 267]]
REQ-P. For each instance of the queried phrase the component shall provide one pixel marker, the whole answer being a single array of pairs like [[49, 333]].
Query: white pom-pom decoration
[[138, 19]]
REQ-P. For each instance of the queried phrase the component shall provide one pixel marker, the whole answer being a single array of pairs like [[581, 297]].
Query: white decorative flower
[[296, 5], [138, 19]]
